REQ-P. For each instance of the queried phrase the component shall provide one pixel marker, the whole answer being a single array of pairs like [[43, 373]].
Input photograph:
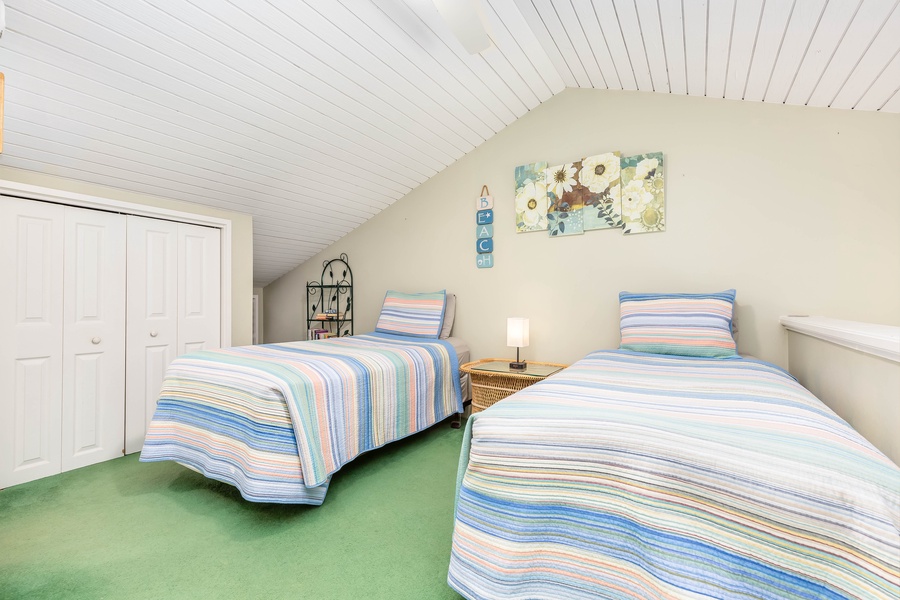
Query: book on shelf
[[329, 316], [315, 334]]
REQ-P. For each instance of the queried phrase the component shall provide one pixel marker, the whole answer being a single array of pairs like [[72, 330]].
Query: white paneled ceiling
[[314, 116]]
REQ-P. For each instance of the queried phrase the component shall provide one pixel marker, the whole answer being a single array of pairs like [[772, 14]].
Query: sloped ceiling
[[315, 116]]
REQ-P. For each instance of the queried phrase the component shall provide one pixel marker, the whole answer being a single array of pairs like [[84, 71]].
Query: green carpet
[[125, 529]]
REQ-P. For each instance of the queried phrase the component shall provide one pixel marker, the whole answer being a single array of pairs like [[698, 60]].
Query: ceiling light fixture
[[467, 22]]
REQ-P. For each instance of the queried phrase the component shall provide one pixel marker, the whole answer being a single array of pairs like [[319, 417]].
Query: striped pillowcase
[[416, 315], [682, 324]]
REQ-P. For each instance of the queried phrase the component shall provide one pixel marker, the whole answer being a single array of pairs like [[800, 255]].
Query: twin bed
[[671, 468], [278, 420]]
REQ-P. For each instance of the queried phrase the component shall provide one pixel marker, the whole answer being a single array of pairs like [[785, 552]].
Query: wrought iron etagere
[[332, 294]]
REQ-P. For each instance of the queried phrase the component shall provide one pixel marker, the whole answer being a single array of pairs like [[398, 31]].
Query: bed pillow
[[449, 316], [417, 315], [681, 324]]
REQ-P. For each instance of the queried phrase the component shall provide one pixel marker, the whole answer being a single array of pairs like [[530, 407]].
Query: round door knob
[[154, 333], [95, 340]]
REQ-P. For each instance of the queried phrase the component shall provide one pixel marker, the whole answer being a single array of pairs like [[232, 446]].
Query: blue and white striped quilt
[[645, 476], [278, 420]]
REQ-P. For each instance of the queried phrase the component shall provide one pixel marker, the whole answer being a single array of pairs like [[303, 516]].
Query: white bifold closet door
[[93, 407], [173, 308], [62, 354], [31, 314]]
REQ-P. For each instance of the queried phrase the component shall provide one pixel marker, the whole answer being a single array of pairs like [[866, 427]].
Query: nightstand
[[493, 380]]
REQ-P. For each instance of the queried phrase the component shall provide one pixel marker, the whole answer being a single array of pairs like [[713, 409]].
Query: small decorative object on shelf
[[329, 301], [517, 337], [493, 380]]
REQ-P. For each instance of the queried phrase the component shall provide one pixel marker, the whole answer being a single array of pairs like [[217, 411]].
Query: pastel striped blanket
[[278, 420], [633, 475]]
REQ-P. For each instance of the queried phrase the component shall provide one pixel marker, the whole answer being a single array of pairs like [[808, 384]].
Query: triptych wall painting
[[606, 191]]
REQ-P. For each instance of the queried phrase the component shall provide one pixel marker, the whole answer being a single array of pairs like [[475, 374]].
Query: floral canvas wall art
[[643, 193], [599, 178], [531, 198], [565, 195]]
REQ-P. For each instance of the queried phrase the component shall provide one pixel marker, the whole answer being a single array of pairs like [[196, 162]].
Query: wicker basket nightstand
[[490, 387]]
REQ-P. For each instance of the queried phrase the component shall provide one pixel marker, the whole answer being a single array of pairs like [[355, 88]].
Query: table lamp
[[517, 335]]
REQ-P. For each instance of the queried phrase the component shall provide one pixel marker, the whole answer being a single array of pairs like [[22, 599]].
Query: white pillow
[[449, 314]]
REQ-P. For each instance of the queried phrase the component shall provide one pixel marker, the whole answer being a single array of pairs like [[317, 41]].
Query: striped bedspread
[[635, 475], [278, 420]]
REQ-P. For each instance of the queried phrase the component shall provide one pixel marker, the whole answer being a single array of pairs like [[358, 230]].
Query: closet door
[[93, 375], [152, 320], [31, 310], [199, 291]]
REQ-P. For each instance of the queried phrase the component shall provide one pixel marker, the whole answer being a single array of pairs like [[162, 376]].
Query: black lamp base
[[517, 366]]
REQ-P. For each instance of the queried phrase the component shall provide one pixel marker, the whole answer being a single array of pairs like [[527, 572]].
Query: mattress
[[463, 356]]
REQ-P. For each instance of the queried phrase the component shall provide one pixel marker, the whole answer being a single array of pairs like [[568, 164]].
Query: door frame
[[33, 192]]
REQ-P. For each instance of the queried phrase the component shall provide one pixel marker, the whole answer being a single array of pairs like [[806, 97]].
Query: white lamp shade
[[516, 332]]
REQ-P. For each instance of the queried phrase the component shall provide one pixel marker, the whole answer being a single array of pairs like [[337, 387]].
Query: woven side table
[[492, 380]]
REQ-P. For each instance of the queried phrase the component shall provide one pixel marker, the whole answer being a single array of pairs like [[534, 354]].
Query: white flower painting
[[643, 193], [599, 177], [531, 198]]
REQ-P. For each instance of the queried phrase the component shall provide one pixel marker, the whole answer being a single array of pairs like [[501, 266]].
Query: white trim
[[880, 340], [34, 192], [254, 334]]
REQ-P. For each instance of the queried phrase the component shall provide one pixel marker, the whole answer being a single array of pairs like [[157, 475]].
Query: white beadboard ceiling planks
[[829, 32], [630, 25], [605, 13], [747, 15], [720, 25], [884, 92], [671, 21], [875, 60], [314, 116], [795, 42], [654, 44], [860, 35], [695, 30], [772, 26]]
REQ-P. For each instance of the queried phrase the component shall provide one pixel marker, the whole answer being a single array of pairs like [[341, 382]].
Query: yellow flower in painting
[[656, 184], [561, 179], [652, 218], [531, 204], [644, 167], [598, 172], [635, 199]]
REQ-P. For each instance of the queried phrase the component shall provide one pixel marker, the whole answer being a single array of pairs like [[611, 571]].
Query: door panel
[[31, 263], [152, 319], [199, 291], [93, 407]]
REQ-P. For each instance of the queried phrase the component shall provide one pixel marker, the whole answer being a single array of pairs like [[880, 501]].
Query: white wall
[[863, 389], [795, 207], [241, 236]]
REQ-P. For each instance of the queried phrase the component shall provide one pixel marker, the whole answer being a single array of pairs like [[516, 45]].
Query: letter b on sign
[[484, 202]]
